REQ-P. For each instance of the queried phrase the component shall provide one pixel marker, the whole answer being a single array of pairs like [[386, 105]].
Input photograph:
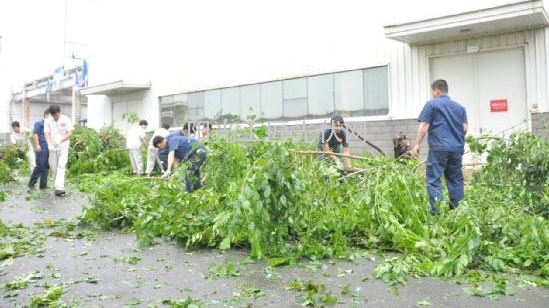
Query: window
[[212, 103], [250, 98], [321, 95], [295, 98], [271, 100], [362, 92], [376, 91], [349, 93]]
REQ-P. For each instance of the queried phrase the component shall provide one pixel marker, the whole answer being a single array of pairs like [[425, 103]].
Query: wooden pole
[[26, 110]]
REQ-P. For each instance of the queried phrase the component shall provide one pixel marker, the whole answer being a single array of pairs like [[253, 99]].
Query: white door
[[459, 72], [502, 92], [490, 85]]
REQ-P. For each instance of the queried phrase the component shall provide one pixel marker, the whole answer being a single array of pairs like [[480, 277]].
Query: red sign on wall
[[498, 105]]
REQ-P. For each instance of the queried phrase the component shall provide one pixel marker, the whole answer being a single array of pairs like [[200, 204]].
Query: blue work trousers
[[449, 164], [41, 169], [192, 175]]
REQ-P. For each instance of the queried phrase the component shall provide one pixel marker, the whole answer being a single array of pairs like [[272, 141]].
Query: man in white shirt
[[20, 135], [135, 139], [152, 152], [58, 131]]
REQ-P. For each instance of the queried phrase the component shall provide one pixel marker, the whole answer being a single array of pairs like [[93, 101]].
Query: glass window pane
[[271, 100], [295, 88], [295, 109], [196, 100], [349, 93], [180, 109], [321, 95], [212, 104], [230, 101], [250, 98], [376, 91]]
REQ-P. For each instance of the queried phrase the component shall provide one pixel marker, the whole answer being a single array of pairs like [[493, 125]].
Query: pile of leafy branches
[[267, 198], [93, 152]]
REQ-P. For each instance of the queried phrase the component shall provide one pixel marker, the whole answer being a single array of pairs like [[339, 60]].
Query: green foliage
[[111, 138], [17, 240], [50, 298], [5, 173], [23, 281], [316, 295], [519, 165], [93, 152], [130, 116], [183, 303], [267, 198]]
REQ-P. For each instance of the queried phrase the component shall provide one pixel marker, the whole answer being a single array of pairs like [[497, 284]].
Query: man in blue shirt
[[331, 140], [183, 148], [42, 154], [446, 123]]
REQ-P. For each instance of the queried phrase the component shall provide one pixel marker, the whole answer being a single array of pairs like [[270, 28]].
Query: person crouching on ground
[[331, 140], [185, 149], [135, 139]]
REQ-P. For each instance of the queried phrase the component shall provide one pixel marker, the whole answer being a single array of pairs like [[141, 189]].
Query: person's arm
[[326, 149], [347, 160], [171, 158], [67, 136], [70, 129], [36, 143], [144, 142], [47, 135], [421, 133], [465, 128]]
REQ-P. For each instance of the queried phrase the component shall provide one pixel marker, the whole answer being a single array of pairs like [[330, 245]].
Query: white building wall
[[204, 45]]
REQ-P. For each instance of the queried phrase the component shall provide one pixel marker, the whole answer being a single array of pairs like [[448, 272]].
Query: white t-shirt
[[58, 129], [19, 137], [134, 136], [162, 132]]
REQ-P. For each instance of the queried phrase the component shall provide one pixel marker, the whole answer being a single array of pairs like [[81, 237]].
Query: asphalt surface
[[95, 274]]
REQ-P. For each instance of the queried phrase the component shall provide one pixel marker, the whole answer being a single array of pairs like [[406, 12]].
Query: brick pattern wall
[[540, 124]]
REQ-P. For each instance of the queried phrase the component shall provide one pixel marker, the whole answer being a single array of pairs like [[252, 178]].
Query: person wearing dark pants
[[446, 122], [183, 148], [42, 167], [192, 175]]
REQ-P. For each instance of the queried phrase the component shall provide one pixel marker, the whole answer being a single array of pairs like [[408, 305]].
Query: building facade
[[306, 68]]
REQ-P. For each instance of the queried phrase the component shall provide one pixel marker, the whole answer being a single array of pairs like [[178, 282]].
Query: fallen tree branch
[[335, 154]]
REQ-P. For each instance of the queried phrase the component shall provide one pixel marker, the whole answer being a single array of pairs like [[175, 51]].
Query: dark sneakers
[[59, 193]]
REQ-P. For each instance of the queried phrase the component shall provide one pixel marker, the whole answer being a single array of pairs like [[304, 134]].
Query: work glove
[[166, 175]]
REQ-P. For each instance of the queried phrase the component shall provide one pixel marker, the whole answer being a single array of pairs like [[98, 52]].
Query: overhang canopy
[[517, 16], [113, 88]]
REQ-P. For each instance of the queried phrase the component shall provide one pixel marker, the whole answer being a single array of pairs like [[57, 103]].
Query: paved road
[[167, 271]]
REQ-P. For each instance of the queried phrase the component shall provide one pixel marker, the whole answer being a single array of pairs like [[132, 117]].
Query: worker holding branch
[[446, 122], [332, 139]]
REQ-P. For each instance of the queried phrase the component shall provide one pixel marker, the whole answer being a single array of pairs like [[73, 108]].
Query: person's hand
[[415, 151], [37, 149], [166, 175]]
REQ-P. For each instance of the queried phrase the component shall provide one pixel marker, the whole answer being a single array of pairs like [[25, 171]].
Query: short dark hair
[[54, 109], [166, 126], [186, 127], [15, 124], [47, 111], [338, 119], [157, 140], [143, 122], [440, 84]]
